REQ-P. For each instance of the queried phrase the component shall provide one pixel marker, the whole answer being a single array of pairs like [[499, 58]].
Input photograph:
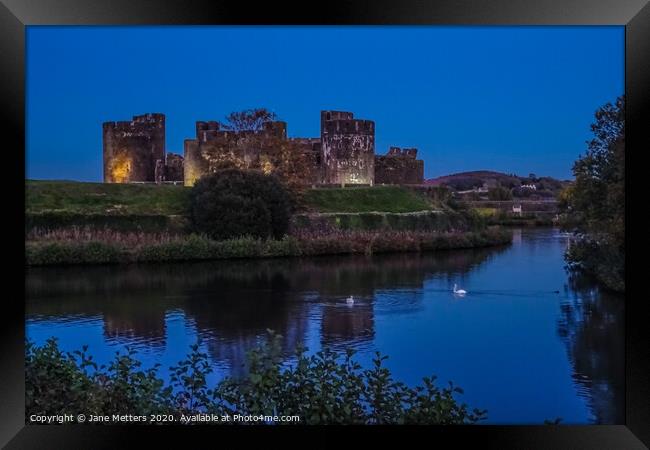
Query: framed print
[[377, 219]]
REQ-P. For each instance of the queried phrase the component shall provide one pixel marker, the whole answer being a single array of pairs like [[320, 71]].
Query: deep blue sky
[[512, 99]]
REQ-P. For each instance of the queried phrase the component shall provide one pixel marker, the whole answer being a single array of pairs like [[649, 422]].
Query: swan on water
[[459, 291], [350, 300]]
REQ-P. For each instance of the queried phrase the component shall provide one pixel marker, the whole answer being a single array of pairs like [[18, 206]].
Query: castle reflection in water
[[233, 303]]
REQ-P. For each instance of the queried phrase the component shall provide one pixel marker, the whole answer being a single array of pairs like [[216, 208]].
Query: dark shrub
[[92, 252], [327, 387], [232, 203]]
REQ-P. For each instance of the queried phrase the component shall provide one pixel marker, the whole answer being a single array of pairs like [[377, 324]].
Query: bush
[[232, 203], [325, 388], [92, 252], [499, 193], [603, 260]]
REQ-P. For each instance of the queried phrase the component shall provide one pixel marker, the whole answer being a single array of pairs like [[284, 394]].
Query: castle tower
[[347, 148], [131, 149]]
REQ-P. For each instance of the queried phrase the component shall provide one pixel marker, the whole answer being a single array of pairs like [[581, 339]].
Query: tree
[[233, 203], [594, 207], [499, 193], [249, 119]]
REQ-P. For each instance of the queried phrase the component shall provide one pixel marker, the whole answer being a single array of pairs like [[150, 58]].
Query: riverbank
[[96, 223], [533, 213], [76, 246], [54, 205]]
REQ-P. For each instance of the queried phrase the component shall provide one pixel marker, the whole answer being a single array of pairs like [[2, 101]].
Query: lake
[[527, 342]]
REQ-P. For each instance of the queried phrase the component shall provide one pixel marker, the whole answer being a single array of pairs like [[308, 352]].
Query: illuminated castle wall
[[348, 148], [134, 151], [215, 148], [344, 153]]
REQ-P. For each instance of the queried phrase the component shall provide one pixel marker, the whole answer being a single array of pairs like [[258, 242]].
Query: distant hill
[[482, 179], [476, 176]]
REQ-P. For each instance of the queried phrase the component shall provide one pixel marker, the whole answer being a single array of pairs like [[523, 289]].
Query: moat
[[526, 343]]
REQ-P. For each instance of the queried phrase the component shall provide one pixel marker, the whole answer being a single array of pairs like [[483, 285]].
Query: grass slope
[[365, 199], [100, 198], [122, 199]]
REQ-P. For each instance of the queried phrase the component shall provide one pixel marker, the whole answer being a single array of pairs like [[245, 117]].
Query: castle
[[134, 151]]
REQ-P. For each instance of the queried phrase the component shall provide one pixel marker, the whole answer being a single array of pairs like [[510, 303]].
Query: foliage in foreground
[[324, 388], [594, 206]]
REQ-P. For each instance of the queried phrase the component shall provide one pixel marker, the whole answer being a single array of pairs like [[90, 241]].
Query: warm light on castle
[[344, 153]]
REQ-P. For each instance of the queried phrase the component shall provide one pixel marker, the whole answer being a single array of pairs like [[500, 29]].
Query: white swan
[[459, 291], [350, 300]]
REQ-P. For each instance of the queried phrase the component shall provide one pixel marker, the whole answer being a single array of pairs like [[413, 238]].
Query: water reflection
[[233, 303], [592, 327], [517, 347]]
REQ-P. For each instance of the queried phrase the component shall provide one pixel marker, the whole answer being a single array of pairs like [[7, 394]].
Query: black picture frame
[[15, 15]]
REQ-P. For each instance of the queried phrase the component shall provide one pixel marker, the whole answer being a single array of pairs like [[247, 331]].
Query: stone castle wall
[[399, 166], [215, 148], [311, 148], [134, 151], [343, 154], [174, 167], [131, 149], [348, 148]]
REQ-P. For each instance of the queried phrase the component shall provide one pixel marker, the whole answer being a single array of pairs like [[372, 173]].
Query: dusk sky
[[511, 99]]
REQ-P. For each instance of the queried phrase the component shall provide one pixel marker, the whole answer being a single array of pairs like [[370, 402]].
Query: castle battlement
[[134, 151], [213, 131], [335, 115], [403, 152]]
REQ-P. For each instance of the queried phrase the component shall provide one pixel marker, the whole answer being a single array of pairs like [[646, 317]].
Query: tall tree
[[594, 206]]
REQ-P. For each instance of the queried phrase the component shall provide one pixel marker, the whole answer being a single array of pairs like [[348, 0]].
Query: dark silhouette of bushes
[[325, 388], [232, 203]]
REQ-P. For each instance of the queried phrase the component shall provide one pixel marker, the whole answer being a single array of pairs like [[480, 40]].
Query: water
[[518, 348]]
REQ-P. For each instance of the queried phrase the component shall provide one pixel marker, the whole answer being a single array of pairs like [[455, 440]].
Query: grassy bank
[[376, 221], [140, 199], [53, 220], [151, 208], [104, 199], [96, 223], [496, 216], [392, 199], [91, 247]]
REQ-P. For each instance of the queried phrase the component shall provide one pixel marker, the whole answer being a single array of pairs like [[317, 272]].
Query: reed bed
[[88, 246]]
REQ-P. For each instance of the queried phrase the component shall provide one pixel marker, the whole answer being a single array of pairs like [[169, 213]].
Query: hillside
[[465, 181]]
